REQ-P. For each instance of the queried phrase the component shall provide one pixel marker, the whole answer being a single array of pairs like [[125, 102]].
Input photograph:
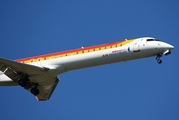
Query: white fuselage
[[93, 56], [138, 48]]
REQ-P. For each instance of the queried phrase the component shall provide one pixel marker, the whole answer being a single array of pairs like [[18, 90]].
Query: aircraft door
[[136, 46]]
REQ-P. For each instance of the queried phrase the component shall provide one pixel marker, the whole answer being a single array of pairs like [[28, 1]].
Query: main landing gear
[[32, 87], [34, 91], [158, 58], [22, 82]]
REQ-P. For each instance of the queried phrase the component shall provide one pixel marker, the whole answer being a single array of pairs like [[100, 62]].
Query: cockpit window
[[153, 40], [150, 40]]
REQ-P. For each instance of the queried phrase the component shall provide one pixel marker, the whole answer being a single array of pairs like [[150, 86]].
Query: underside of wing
[[46, 90], [18, 67], [35, 79]]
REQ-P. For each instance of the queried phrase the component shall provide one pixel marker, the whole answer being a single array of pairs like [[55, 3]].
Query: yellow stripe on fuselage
[[74, 52]]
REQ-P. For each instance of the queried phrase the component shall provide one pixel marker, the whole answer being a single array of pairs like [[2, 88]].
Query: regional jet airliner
[[39, 74]]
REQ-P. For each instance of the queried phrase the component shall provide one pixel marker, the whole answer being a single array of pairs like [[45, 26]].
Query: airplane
[[39, 74]]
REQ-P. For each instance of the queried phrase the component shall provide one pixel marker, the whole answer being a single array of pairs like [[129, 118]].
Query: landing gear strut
[[158, 59]]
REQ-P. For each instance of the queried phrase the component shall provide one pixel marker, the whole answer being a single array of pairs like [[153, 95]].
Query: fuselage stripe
[[74, 52]]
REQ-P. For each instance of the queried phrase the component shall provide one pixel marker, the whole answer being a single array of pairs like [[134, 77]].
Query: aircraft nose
[[167, 46], [171, 47]]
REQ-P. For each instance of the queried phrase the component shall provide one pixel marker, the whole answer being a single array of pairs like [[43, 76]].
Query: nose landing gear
[[158, 58], [159, 61]]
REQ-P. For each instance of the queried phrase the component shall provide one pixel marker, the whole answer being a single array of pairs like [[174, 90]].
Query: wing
[[38, 80], [46, 90], [30, 69]]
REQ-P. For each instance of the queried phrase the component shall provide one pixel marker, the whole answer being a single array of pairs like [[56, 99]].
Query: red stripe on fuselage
[[68, 51]]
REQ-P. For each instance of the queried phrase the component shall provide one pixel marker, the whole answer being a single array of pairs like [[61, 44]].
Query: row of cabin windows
[[75, 53]]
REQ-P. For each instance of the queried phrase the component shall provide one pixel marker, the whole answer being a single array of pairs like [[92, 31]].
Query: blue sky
[[137, 90]]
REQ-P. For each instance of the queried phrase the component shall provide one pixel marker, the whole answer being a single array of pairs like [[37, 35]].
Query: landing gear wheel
[[22, 82], [34, 91], [158, 58], [159, 61]]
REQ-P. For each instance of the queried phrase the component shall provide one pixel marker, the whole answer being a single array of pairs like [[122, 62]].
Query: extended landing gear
[[34, 91], [22, 82], [158, 59], [32, 87]]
